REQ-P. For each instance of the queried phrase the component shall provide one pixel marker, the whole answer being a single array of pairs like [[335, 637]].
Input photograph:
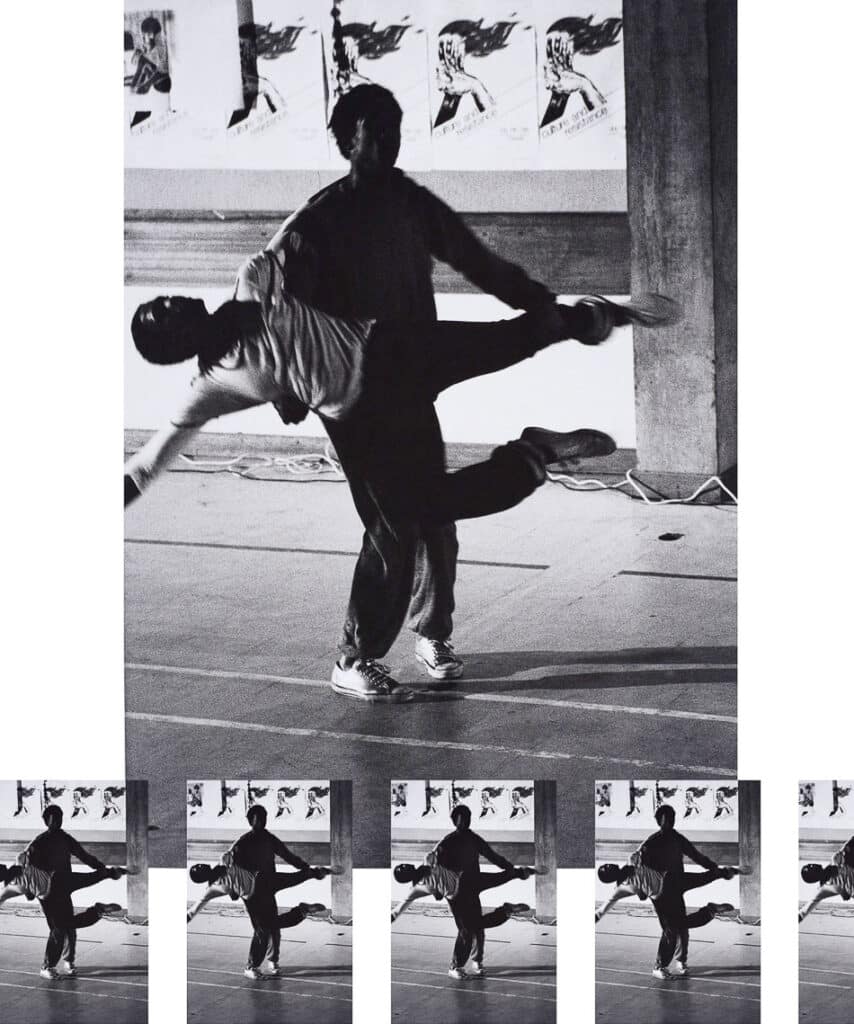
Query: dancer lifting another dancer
[[378, 382], [43, 872]]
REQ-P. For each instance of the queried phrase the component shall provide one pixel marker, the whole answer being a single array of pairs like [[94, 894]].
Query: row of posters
[[495, 804], [827, 805], [291, 805], [482, 83], [699, 804], [85, 804]]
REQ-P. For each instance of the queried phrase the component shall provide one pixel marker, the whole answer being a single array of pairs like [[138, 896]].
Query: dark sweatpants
[[469, 917], [673, 917], [59, 913], [266, 920], [393, 455]]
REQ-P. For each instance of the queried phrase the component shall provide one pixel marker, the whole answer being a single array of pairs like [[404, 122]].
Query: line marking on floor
[[678, 575], [492, 975], [641, 935], [270, 991], [64, 989], [825, 984], [401, 741], [486, 698], [81, 977], [681, 992], [475, 991], [825, 970], [436, 935], [280, 977], [693, 976], [216, 545]]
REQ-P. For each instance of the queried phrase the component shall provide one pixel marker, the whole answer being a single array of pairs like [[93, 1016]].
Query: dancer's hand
[[598, 917]]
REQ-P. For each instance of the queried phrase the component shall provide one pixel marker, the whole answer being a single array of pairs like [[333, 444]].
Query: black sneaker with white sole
[[649, 309], [556, 446]]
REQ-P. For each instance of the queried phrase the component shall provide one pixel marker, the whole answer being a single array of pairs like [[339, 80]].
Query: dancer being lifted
[[380, 381], [835, 879]]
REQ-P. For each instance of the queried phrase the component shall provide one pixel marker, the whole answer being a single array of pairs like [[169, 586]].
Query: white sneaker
[[269, 969], [438, 657], [253, 973], [367, 679], [680, 969], [457, 973], [662, 974], [67, 969], [474, 969], [49, 974]]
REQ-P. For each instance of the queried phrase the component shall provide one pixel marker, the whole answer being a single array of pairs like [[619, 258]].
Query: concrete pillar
[[681, 178], [750, 850], [545, 848], [341, 847], [136, 803]]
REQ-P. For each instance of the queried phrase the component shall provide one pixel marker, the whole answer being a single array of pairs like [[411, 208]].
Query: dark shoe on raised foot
[[518, 911], [721, 908], [107, 908], [569, 447], [649, 309]]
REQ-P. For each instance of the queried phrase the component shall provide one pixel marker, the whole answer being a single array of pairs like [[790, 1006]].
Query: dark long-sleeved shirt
[[462, 850], [257, 851], [367, 251], [664, 851], [52, 851]]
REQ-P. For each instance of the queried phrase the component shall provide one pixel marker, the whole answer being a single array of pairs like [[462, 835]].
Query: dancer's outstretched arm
[[85, 857], [415, 893], [824, 893], [620, 893], [486, 851], [211, 893], [692, 853]]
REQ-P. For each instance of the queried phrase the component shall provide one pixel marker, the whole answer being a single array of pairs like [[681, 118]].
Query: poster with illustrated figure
[[580, 84], [147, 62], [385, 44], [281, 121], [827, 805], [497, 804], [626, 805], [291, 805], [205, 88], [483, 84], [98, 806]]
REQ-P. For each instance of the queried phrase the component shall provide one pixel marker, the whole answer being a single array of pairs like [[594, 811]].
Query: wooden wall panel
[[572, 253]]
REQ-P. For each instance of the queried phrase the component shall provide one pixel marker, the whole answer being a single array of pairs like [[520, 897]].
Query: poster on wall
[[222, 804], [630, 804], [483, 84], [147, 77], [495, 805], [827, 804], [384, 44], [281, 122], [580, 84]]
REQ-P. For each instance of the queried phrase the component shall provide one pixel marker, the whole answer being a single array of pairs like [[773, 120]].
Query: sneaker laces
[[377, 674], [442, 649]]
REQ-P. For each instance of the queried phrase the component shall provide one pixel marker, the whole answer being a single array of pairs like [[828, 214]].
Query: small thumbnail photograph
[[677, 901], [73, 901], [825, 906], [474, 900], [269, 901]]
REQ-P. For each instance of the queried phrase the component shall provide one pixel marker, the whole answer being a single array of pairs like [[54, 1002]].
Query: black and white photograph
[[269, 901], [73, 901], [825, 911], [428, 463], [474, 901], [678, 901]]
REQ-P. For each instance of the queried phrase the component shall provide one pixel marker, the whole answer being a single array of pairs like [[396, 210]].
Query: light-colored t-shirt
[[237, 882], [297, 352]]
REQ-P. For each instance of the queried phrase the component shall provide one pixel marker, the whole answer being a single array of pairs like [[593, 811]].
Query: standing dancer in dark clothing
[[664, 852], [364, 247], [460, 851], [256, 852], [51, 851]]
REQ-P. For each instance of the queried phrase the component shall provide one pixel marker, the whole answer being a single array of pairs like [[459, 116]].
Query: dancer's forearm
[[154, 457], [822, 894], [211, 893], [620, 894], [412, 896]]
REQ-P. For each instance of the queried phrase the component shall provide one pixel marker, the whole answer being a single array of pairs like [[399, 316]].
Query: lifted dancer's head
[[257, 817], [666, 817], [52, 817], [461, 817], [206, 873], [366, 125], [172, 328], [609, 873], [819, 873], [406, 873]]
